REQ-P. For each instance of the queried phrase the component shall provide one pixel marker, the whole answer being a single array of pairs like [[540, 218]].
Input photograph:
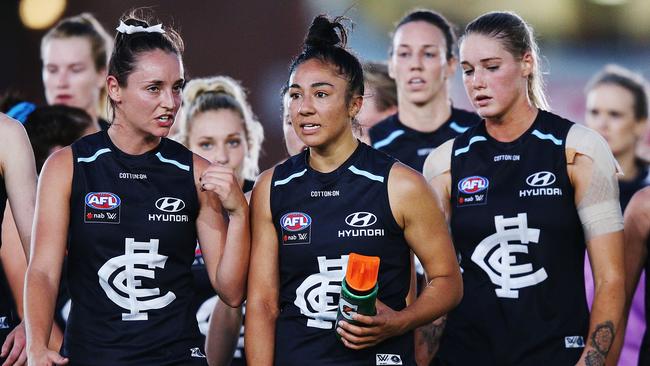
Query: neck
[[513, 123], [426, 117], [129, 140], [627, 161], [326, 159], [94, 116]]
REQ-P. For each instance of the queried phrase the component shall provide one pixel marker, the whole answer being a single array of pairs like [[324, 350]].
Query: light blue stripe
[[289, 178], [94, 157], [547, 136], [458, 128], [465, 149], [173, 162], [366, 174], [393, 135]]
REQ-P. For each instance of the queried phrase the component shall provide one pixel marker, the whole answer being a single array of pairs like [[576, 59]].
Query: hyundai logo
[[170, 204], [541, 179], [360, 219]]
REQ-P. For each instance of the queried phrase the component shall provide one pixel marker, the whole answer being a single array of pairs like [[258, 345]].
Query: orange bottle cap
[[362, 272]]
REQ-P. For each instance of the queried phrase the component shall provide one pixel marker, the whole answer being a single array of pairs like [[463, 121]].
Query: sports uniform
[[521, 248], [132, 238], [412, 147], [320, 218]]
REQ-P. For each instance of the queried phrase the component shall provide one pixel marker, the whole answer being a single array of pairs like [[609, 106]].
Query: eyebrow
[[314, 85], [424, 45], [484, 60]]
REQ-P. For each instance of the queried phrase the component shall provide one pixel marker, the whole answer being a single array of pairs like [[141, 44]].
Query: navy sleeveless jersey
[[131, 245], [521, 248], [321, 218], [8, 316], [644, 351], [205, 298], [412, 147]]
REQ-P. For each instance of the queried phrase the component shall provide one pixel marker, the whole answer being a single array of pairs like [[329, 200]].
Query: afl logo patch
[[102, 208], [473, 184], [102, 200], [295, 221], [296, 228]]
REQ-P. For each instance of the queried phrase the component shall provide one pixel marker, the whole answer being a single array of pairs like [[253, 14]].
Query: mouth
[[63, 97], [165, 120], [482, 100], [309, 127], [416, 81]]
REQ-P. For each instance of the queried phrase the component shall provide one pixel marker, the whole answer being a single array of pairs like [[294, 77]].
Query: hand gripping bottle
[[358, 288]]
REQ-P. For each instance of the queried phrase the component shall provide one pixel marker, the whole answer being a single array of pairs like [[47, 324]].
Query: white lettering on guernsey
[[124, 272], [325, 193], [132, 176], [495, 255], [317, 296], [360, 232], [540, 192], [507, 158], [169, 218]]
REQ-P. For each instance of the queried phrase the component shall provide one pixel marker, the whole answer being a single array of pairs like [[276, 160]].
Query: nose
[[415, 62], [220, 155], [478, 80], [62, 79], [168, 99], [305, 105]]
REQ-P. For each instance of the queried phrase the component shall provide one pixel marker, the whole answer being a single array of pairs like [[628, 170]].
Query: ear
[[113, 88], [355, 105], [527, 64]]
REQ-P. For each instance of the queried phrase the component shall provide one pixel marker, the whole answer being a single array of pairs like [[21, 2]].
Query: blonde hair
[[85, 25], [216, 93]]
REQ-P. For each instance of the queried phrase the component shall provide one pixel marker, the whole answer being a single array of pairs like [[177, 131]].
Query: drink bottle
[[358, 288]]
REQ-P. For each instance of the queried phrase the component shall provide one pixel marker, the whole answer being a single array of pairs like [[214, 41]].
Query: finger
[[354, 329], [364, 319], [22, 360], [13, 355], [56, 358], [8, 343], [357, 346]]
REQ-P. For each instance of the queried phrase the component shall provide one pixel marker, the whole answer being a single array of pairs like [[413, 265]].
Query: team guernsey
[[131, 245], [320, 218], [521, 249], [412, 147]]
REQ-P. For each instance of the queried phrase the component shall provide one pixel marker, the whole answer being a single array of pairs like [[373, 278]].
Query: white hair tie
[[130, 29]]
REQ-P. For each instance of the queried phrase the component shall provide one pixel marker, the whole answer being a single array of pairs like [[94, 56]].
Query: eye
[[320, 94], [233, 143], [493, 67], [51, 69], [177, 88], [468, 71], [430, 54], [205, 145], [403, 54], [153, 88], [294, 95]]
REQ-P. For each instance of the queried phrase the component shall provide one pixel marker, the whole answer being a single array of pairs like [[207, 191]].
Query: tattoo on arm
[[601, 340], [431, 334]]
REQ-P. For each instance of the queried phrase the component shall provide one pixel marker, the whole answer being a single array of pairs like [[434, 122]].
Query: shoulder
[[405, 181], [383, 128], [640, 202], [10, 125], [585, 141], [58, 164], [438, 161], [464, 117]]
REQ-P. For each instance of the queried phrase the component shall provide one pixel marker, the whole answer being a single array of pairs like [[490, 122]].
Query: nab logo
[[473, 184], [361, 219], [170, 204], [295, 221], [102, 200], [541, 179], [388, 359]]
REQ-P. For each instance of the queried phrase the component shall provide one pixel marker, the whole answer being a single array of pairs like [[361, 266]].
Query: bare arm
[[225, 248], [19, 174], [262, 306], [416, 209], [223, 333], [606, 256], [48, 250]]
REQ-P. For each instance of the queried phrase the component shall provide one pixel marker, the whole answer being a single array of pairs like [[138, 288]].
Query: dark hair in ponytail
[[129, 46], [326, 45]]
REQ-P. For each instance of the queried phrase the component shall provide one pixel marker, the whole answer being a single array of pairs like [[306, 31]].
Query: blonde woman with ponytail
[[525, 192], [218, 124]]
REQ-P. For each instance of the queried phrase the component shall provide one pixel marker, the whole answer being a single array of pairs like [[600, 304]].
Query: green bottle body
[[352, 302]]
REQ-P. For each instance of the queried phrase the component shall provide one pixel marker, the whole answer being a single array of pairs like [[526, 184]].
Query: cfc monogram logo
[[124, 273], [495, 255], [317, 296]]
